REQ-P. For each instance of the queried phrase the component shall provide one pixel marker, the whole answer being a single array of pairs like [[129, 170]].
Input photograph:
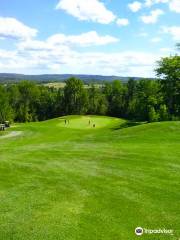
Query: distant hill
[[12, 77]]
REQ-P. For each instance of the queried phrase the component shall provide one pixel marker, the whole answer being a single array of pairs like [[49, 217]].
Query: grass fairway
[[76, 182]]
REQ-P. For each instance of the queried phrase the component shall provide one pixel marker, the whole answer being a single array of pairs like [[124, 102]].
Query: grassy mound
[[74, 183]]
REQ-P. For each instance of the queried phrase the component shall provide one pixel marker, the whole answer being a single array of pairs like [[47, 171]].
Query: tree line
[[143, 100]]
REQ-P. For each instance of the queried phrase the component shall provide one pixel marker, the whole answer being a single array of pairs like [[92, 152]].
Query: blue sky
[[107, 37]]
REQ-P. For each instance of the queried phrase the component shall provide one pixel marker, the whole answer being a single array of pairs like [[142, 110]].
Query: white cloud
[[156, 39], [64, 59], [83, 40], [174, 31], [92, 10], [174, 5], [153, 17], [12, 28], [143, 34], [61, 54], [149, 3], [125, 63], [135, 6], [165, 50], [33, 45], [122, 22]]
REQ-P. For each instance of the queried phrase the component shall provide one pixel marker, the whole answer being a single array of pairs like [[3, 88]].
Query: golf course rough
[[74, 181]]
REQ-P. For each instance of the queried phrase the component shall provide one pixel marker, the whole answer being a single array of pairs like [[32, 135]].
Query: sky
[[105, 37]]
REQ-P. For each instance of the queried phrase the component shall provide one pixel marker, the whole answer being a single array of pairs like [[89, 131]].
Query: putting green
[[89, 122]]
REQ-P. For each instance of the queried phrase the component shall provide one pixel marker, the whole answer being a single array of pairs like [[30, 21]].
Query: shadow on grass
[[128, 124]]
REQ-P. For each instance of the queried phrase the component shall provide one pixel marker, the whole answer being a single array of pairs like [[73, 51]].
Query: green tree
[[14, 98], [93, 103], [47, 103], [6, 112], [115, 93], [148, 98], [75, 97], [153, 116], [163, 113], [131, 98], [169, 71], [97, 101], [28, 102], [102, 107]]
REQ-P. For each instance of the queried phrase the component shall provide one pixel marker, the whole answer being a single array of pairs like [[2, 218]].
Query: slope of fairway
[[72, 182]]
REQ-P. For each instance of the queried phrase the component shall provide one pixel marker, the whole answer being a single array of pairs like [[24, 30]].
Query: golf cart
[[7, 124], [2, 127]]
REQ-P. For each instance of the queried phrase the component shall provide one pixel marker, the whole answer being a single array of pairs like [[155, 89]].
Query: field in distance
[[59, 85], [65, 179]]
